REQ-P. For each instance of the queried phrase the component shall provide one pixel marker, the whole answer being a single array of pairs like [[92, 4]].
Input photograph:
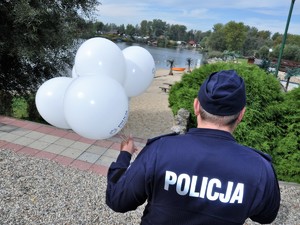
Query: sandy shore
[[149, 113]]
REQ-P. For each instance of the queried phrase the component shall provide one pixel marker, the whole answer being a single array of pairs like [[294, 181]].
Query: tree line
[[232, 36]]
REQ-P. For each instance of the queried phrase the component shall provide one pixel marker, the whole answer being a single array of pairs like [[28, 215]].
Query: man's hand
[[128, 145]]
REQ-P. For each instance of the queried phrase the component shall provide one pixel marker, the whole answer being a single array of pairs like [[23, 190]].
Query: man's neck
[[214, 126]]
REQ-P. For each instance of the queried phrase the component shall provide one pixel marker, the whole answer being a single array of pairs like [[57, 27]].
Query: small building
[[192, 43], [251, 59]]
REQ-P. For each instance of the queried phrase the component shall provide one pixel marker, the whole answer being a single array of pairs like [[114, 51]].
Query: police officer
[[203, 176]]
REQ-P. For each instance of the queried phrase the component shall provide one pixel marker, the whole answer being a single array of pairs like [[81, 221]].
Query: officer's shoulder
[[264, 155], [149, 141]]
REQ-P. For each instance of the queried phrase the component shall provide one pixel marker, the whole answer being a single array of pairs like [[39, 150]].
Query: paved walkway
[[62, 146]]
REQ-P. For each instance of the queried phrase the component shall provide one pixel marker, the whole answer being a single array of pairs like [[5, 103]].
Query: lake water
[[161, 55]]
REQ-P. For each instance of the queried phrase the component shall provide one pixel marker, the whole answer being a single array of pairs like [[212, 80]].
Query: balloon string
[[125, 132]]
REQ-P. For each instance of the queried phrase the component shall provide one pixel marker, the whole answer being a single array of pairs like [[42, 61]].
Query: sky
[[202, 15]]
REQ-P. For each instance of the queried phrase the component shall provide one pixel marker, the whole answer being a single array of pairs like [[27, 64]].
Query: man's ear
[[242, 113], [196, 107]]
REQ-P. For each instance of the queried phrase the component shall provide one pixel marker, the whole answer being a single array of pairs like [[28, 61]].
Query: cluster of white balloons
[[94, 102]]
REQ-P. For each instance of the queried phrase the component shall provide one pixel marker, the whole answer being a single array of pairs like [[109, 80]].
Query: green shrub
[[19, 108], [261, 87], [291, 52], [33, 113], [269, 124], [264, 52], [214, 54], [287, 150]]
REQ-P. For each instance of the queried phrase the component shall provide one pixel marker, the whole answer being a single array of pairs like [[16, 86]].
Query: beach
[[149, 113]]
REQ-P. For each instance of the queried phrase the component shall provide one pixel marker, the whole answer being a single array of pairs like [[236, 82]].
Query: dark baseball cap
[[223, 93]]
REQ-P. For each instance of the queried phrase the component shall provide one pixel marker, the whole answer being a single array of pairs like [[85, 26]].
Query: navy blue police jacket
[[201, 177]]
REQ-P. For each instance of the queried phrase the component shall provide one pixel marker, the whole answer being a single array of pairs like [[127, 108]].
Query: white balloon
[[140, 70], [96, 107], [74, 74], [100, 56], [49, 101]]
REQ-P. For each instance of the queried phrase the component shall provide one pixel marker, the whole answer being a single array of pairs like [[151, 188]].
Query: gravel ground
[[38, 191]]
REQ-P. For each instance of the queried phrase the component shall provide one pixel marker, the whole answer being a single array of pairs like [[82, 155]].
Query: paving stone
[[8, 128], [96, 150], [39, 145], [24, 141], [56, 149], [72, 153], [9, 137], [112, 153], [35, 135], [81, 165], [21, 132], [64, 142], [105, 161], [49, 138], [80, 145], [89, 157]]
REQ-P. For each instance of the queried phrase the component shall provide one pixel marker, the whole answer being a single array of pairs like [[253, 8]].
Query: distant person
[[201, 177]]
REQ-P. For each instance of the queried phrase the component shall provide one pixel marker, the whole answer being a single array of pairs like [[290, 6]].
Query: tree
[[291, 52], [159, 27], [198, 36], [36, 40], [264, 34], [177, 32], [216, 40], [276, 35], [121, 29], [264, 52], [150, 28], [98, 26], [130, 30], [111, 27], [255, 40], [235, 35], [277, 39], [293, 39], [144, 28], [250, 44], [190, 35]]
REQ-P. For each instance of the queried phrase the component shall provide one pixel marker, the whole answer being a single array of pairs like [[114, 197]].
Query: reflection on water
[[161, 55]]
